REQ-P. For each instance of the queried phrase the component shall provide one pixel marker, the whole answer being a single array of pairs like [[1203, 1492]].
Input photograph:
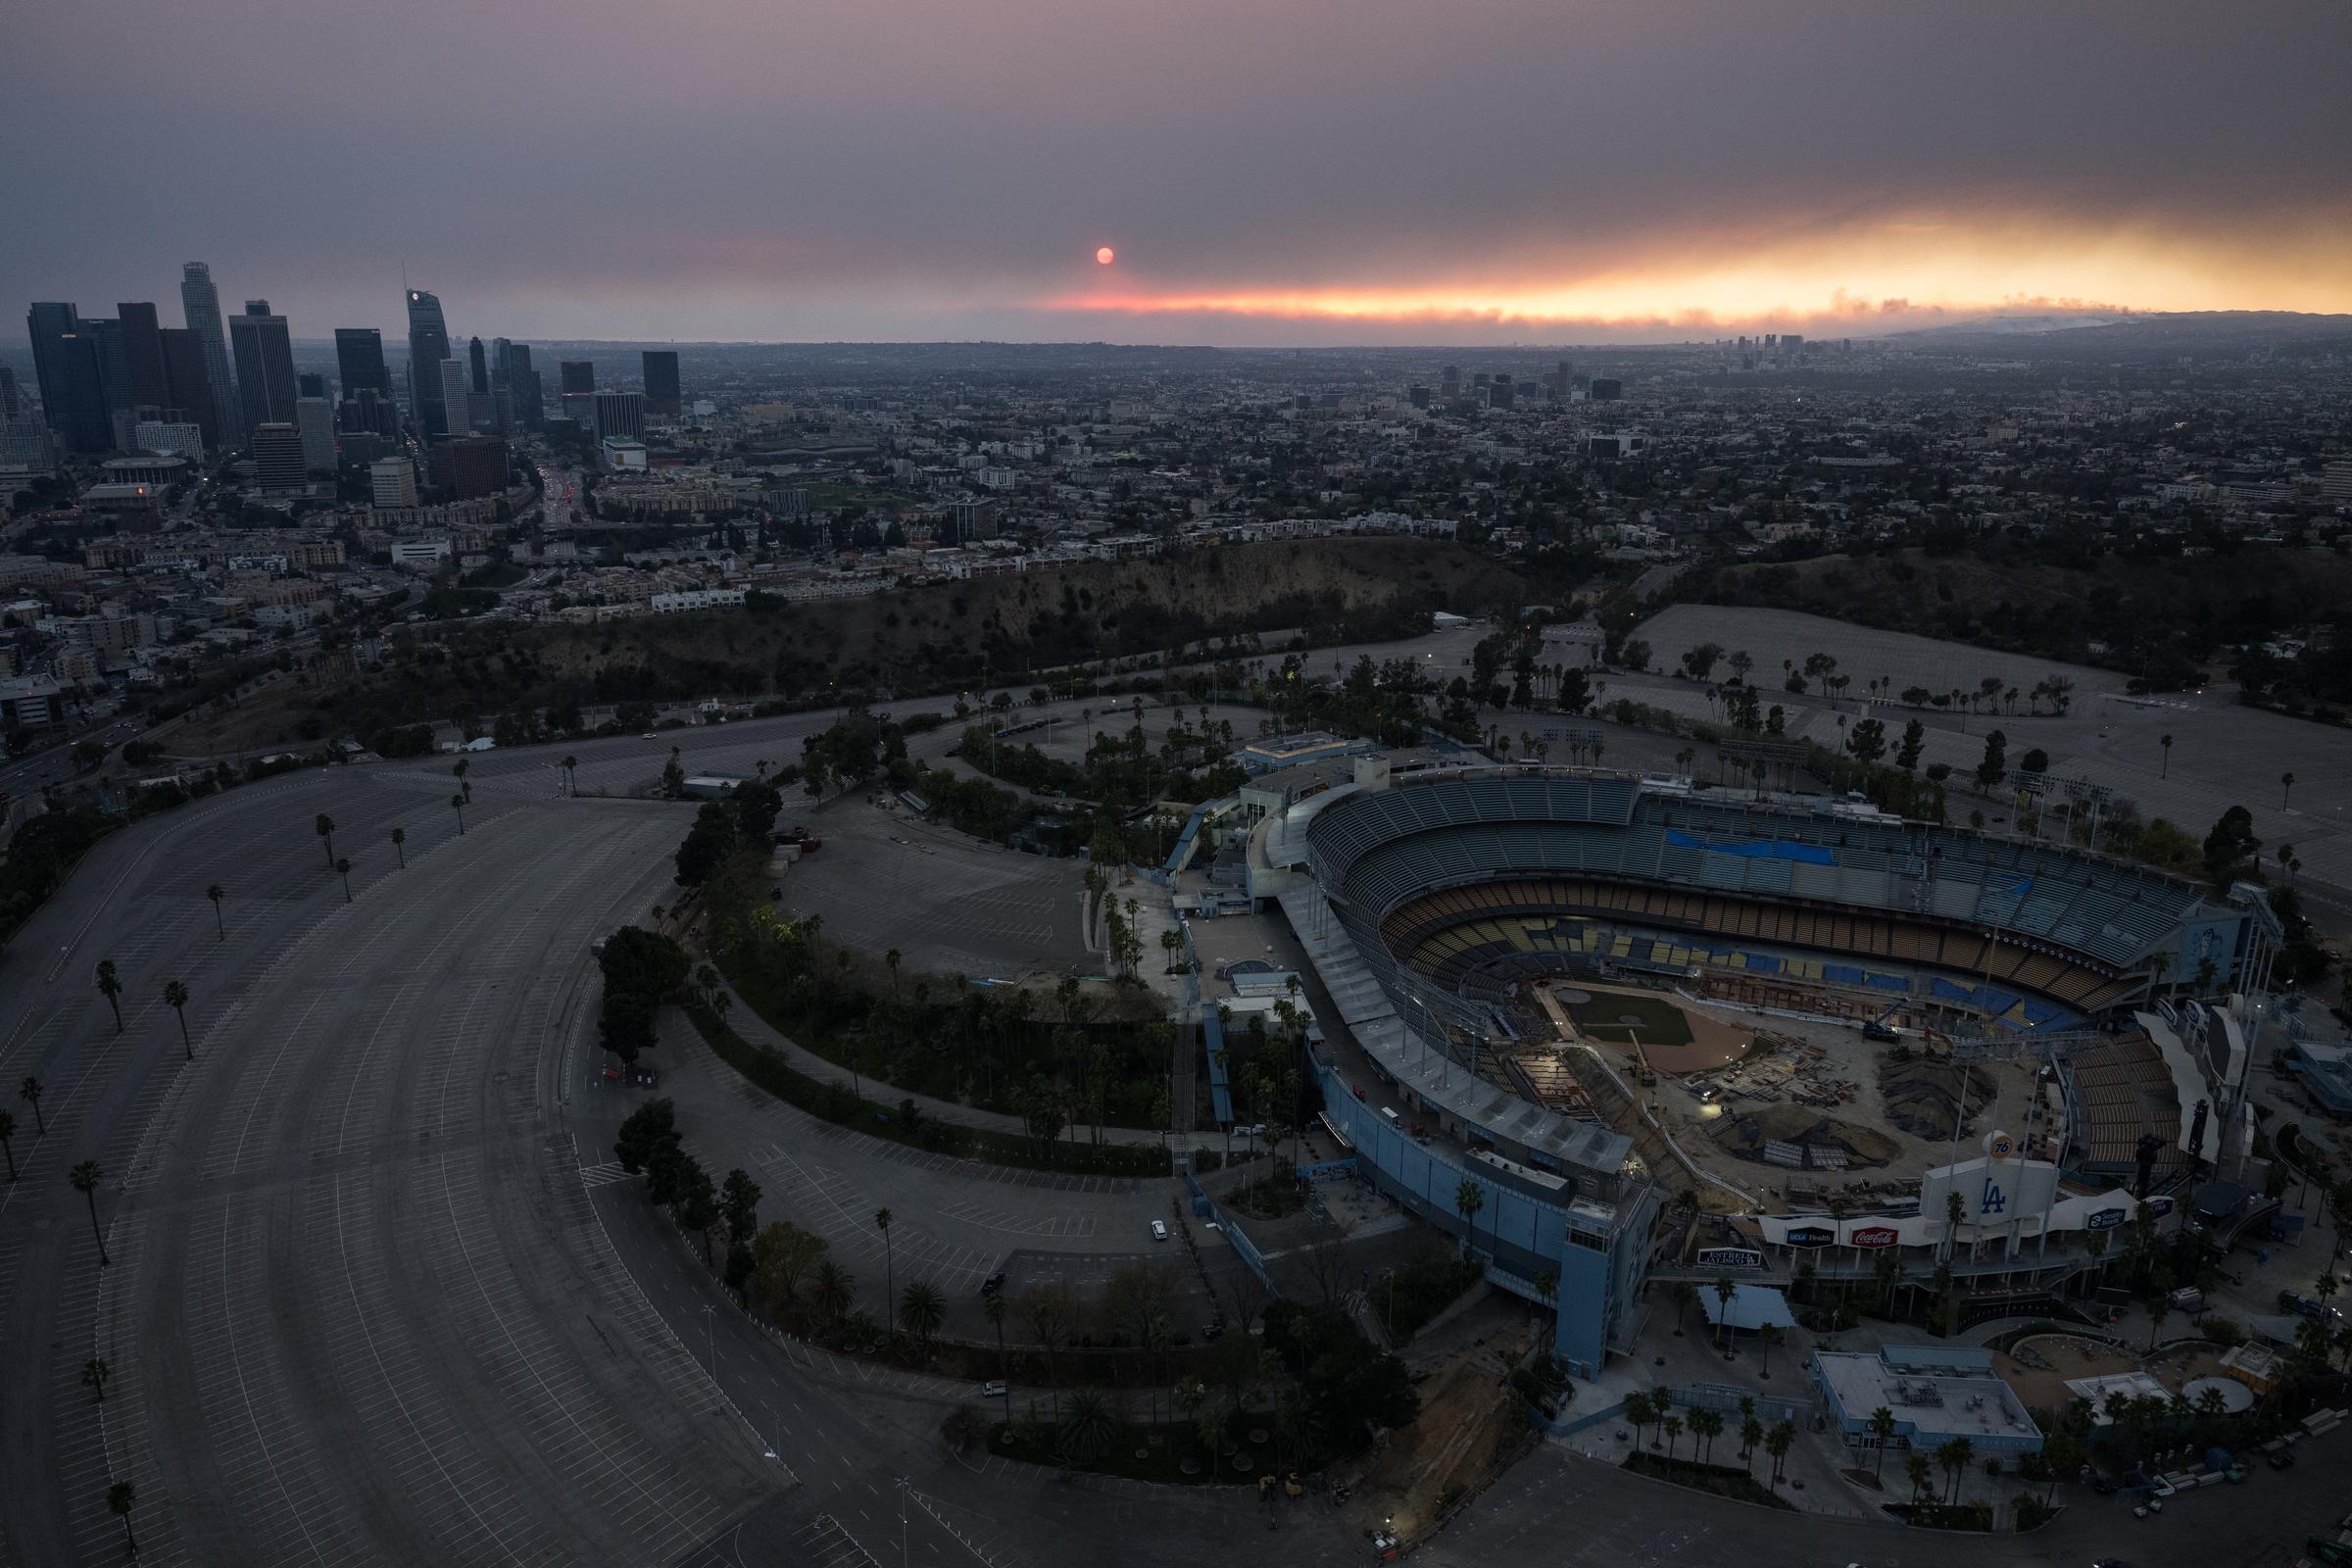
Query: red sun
[[1105, 254]]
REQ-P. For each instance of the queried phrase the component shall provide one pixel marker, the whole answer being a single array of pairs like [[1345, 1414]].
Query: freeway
[[360, 1306]]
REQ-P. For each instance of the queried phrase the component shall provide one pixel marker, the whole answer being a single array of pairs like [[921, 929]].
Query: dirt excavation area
[[1466, 1417]]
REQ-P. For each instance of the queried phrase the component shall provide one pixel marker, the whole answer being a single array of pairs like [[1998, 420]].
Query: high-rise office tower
[[467, 466], [114, 376], [371, 412], [142, 355], [265, 355], [1502, 392], [277, 456], [392, 481], [189, 382], [360, 362], [579, 375], [477, 366], [619, 413], [12, 402], [662, 383], [200, 308], [309, 384], [429, 346], [456, 387], [522, 382], [1449, 382], [315, 422], [65, 361]]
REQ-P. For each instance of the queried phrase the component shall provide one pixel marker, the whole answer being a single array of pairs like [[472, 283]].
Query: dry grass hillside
[[987, 631], [2057, 610]]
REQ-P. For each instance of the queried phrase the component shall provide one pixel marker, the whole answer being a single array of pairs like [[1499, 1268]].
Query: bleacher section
[[2118, 1091], [1462, 872]]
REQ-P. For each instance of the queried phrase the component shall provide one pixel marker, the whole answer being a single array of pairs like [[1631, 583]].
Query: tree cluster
[[642, 970]]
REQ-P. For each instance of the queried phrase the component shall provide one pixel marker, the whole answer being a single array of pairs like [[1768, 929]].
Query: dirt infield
[[1674, 1039]]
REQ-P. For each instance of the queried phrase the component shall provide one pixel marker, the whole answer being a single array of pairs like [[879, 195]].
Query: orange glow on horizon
[[1892, 271]]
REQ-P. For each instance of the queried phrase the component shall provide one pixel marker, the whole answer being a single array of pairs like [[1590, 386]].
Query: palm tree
[[111, 989], [571, 784], [343, 870], [1705, 1426], [327, 831], [1672, 1426], [891, 960], [1469, 1198], [833, 1291], [175, 997], [2286, 787], [890, 1284], [1725, 1289], [120, 1498], [922, 1309], [1917, 1469], [465, 766], [399, 838], [1648, 1409], [2166, 742], [7, 1130], [30, 1092], [1882, 1427], [1777, 1443], [457, 804], [94, 1373], [217, 893], [1751, 1434], [1086, 1425], [84, 1178]]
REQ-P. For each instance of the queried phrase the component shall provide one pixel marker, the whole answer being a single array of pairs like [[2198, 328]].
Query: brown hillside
[[987, 631]]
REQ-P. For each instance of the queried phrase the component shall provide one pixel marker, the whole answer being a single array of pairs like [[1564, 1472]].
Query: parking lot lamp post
[[711, 1339]]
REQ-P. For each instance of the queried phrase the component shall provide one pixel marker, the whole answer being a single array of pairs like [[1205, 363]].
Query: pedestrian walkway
[[759, 1032]]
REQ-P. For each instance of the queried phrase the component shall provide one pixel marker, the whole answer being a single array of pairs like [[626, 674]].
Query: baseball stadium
[[1650, 1020]]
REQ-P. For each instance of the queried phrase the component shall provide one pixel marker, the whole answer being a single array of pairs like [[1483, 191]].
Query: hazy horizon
[[1592, 171]]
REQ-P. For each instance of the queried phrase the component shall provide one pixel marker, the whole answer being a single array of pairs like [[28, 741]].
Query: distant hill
[[938, 636]]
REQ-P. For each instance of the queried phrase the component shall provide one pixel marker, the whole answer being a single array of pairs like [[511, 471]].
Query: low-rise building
[[1935, 1393]]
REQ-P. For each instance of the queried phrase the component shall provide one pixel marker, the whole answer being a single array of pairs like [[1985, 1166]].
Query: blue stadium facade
[[1403, 891]]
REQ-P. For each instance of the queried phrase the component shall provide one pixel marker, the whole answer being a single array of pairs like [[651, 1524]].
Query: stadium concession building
[[1423, 898]]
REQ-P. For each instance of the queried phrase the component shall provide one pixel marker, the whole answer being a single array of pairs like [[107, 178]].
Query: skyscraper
[[142, 355], [477, 366], [188, 381], [359, 361], [454, 388], [429, 346], [265, 353], [662, 383], [12, 402], [513, 362], [65, 361], [277, 459], [310, 384], [315, 422], [579, 375], [200, 308]]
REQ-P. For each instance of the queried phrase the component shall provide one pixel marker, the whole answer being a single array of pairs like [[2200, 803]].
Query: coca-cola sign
[[1871, 1235]]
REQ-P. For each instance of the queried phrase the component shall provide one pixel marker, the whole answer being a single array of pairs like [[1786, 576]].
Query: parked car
[[1880, 1031], [2281, 1459], [1159, 1230], [993, 1388], [993, 1284]]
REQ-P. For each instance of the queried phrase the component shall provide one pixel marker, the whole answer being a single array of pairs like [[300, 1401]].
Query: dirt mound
[[1920, 1094], [1746, 1135]]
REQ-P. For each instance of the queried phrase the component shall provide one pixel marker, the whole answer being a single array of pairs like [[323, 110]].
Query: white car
[[1159, 1230]]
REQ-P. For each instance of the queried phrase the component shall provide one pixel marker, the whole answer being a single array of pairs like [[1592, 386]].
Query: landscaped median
[[837, 1102]]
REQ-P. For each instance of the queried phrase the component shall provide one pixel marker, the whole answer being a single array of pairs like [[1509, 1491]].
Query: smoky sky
[[1268, 170]]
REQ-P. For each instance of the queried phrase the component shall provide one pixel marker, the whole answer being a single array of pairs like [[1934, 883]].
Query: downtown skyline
[[1588, 172]]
